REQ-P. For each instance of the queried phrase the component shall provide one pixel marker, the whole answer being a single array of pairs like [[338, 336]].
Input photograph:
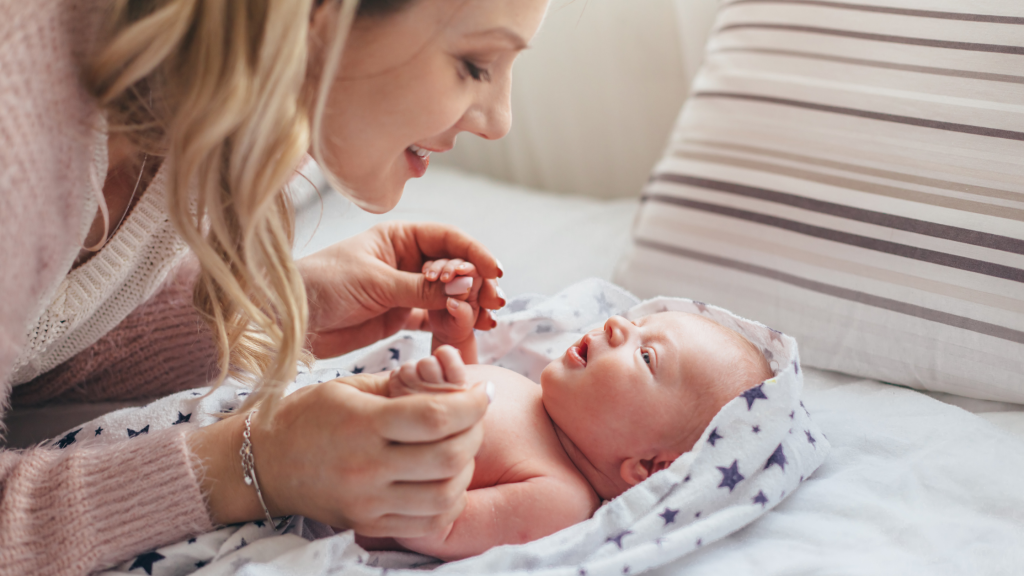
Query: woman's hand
[[342, 454], [365, 288]]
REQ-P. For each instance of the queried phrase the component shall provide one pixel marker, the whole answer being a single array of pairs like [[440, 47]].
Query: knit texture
[[78, 510], [70, 512], [161, 348], [98, 295]]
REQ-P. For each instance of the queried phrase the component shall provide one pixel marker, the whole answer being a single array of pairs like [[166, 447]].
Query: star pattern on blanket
[[146, 561], [730, 476], [754, 394], [669, 515], [748, 434], [182, 419], [68, 439], [98, 431], [778, 457], [701, 307], [714, 437], [810, 438], [617, 539], [134, 433], [760, 498]]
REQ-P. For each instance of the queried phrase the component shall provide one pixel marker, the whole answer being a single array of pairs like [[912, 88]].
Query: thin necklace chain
[[128, 208]]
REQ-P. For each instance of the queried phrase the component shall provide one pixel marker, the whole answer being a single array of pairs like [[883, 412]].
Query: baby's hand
[[442, 372], [454, 325]]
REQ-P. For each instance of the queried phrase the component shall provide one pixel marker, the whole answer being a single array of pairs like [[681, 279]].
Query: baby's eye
[[647, 356]]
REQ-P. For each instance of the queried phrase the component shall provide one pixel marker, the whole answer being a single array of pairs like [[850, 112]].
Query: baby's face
[[638, 385]]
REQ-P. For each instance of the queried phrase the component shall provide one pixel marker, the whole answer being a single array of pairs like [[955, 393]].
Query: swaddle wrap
[[756, 451]]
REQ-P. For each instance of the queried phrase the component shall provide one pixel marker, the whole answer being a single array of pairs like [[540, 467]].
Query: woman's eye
[[476, 72]]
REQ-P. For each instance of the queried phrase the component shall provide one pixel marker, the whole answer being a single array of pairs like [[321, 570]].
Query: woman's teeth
[[421, 152]]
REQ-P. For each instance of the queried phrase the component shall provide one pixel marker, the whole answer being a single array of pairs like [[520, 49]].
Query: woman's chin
[[379, 201]]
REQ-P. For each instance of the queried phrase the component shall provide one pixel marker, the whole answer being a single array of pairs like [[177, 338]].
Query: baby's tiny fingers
[[432, 269], [429, 371], [450, 269], [452, 364], [408, 377]]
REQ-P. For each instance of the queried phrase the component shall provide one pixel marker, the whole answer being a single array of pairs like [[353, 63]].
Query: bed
[[918, 482]]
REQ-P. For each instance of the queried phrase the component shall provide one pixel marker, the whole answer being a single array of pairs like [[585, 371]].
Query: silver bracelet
[[249, 465]]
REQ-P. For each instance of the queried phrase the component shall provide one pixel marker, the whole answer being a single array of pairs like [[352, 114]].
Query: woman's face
[[414, 80]]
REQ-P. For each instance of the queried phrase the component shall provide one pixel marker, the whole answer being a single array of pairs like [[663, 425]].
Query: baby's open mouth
[[579, 351]]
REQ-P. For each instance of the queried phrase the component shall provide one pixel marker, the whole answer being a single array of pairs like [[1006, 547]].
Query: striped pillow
[[852, 173]]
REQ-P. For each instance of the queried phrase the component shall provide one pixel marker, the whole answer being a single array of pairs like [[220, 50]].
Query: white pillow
[[853, 175]]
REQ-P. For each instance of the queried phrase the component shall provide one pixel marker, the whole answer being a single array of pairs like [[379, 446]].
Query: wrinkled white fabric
[[754, 454]]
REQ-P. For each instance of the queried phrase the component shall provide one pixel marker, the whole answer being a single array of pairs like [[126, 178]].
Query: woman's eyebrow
[[515, 40]]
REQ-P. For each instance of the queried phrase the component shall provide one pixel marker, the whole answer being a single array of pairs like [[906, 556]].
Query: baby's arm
[[508, 514]]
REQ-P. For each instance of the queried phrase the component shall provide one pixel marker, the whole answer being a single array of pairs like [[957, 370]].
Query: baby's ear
[[636, 470]]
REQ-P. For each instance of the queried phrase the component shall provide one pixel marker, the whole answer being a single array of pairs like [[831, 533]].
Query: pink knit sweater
[[74, 511]]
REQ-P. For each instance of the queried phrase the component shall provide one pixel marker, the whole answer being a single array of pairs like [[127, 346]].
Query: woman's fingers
[[491, 296], [437, 460], [405, 526], [434, 240], [485, 321], [431, 417]]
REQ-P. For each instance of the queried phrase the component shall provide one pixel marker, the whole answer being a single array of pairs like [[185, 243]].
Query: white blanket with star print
[[756, 452]]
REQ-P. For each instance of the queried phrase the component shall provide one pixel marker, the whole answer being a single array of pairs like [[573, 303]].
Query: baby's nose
[[617, 328]]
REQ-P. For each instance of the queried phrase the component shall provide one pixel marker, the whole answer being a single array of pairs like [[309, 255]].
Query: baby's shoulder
[[519, 439]]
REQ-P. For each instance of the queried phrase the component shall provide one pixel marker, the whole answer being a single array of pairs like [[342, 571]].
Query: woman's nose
[[490, 116]]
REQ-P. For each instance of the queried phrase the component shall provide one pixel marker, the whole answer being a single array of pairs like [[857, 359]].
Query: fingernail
[[489, 390], [460, 285], [501, 269], [452, 304], [493, 323], [431, 275], [502, 297]]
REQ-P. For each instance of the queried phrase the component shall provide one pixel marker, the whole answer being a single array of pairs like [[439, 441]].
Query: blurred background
[[563, 138]]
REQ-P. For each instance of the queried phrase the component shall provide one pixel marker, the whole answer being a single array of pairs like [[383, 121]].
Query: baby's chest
[[519, 439]]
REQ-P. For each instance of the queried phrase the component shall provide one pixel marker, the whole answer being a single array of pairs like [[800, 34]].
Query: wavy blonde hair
[[217, 89]]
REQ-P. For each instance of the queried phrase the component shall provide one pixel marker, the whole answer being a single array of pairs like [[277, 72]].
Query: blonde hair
[[215, 88]]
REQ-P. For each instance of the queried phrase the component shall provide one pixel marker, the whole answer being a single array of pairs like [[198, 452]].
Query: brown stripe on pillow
[[891, 10], [929, 42], [943, 231], [986, 328], [878, 64], [861, 169], [922, 122]]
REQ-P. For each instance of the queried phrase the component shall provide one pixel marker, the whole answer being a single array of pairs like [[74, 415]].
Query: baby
[[620, 404]]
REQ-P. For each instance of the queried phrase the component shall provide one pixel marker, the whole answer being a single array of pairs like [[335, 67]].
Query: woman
[[178, 124]]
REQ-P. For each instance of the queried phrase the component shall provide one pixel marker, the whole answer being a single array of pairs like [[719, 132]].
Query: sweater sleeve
[[74, 511], [160, 348]]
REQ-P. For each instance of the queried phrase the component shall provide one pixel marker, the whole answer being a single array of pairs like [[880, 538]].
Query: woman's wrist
[[228, 498]]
